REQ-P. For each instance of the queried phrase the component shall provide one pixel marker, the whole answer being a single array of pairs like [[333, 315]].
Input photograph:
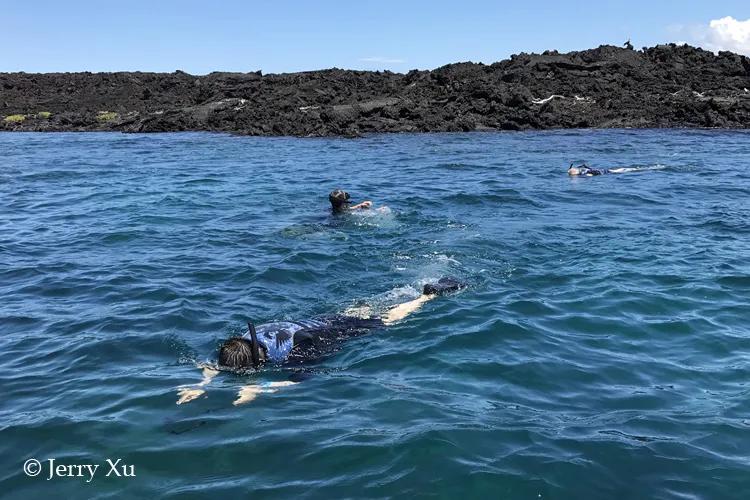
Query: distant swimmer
[[340, 202], [297, 342], [586, 171]]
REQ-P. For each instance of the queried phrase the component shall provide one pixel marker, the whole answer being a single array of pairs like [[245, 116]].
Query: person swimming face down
[[239, 353]]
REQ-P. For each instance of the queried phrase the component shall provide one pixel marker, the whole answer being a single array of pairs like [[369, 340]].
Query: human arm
[[189, 393], [361, 206]]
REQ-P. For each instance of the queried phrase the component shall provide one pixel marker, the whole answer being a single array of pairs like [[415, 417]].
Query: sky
[[285, 36]]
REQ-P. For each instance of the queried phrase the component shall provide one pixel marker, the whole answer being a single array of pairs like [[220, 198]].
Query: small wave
[[54, 175], [508, 196], [633, 437], [305, 231], [459, 166], [738, 281], [206, 180]]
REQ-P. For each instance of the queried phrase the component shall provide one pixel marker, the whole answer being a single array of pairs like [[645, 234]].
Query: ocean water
[[601, 350]]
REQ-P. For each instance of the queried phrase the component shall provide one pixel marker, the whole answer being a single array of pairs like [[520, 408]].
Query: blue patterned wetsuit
[[311, 338]]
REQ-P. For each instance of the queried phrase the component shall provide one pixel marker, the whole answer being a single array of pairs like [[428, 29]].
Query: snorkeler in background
[[586, 171], [297, 342], [340, 202]]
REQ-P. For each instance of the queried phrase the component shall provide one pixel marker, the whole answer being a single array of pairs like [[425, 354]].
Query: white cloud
[[382, 60], [726, 33]]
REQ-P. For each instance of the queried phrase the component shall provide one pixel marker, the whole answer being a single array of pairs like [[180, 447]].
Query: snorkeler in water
[[586, 171], [298, 342], [340, 202]]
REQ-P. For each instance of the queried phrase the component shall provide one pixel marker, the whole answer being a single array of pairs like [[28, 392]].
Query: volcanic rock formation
[[663, 86]]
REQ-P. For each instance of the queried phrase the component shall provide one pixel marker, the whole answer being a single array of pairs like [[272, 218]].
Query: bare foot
[[250, 392]]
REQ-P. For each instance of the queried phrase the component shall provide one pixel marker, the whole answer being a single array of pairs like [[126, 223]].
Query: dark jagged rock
[[663, 86]]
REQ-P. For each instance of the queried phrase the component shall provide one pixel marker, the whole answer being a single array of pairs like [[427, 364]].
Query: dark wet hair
[[236, 353], [338, 199], [239, 353]]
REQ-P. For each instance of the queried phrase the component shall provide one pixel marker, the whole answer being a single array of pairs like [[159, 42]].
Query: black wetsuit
[[310, 339], [593, 171], [300, 341]]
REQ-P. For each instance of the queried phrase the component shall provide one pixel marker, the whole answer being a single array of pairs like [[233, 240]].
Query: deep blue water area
[[600, 351]]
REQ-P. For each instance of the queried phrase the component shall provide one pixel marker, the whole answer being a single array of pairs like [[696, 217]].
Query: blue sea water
[[601, 350]]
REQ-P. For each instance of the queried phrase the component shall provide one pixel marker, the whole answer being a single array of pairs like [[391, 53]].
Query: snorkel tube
[[255, 346]]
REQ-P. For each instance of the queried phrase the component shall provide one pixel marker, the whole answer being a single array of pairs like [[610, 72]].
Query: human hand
[[284, 383], [250, 392], [188, 394], [246, 394]]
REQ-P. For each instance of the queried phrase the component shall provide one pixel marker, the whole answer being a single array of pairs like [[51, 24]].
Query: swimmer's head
[[239, 353], [573, 170], [339, 199]]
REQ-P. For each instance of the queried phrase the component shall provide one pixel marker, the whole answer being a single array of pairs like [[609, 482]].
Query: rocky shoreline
[[606, 87]]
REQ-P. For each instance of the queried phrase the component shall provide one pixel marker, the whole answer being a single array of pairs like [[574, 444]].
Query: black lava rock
[[662, 86]]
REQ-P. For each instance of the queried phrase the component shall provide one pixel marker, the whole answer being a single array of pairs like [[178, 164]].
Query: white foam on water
[[441, 258], [623, 170], [379, 217]]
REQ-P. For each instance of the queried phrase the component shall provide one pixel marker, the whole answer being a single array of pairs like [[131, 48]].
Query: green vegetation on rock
[[44, 115], [14, 118], [106, 116]]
